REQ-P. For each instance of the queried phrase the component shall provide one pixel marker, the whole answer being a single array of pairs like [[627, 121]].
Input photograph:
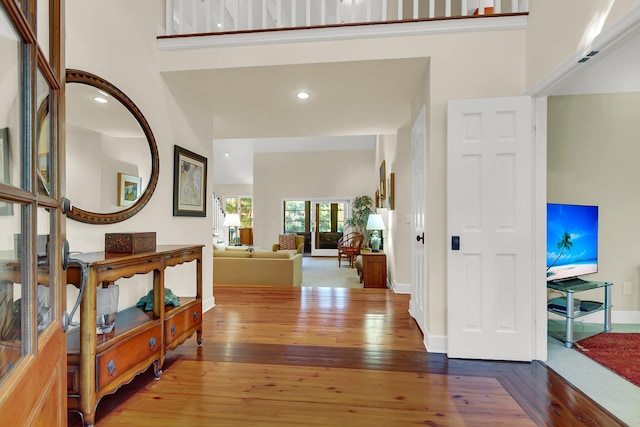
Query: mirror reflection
[[111, 155]]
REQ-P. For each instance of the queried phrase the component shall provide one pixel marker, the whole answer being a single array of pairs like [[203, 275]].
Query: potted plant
[[360, 209]]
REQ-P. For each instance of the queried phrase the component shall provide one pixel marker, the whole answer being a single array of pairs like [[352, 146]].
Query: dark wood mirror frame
[[84, 77]]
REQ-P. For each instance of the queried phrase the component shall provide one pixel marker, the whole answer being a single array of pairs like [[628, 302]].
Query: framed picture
[[129, 189], [377, 198], [383, 179], [391, 191], [189, 183], [6, 208]]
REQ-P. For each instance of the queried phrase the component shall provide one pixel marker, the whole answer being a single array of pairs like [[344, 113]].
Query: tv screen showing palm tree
[[572, 241]]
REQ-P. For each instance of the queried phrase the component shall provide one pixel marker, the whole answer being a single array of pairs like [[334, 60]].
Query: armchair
[[349, 246], [299, 244]]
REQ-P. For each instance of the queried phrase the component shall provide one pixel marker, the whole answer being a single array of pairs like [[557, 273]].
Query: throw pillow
[[287, 241]]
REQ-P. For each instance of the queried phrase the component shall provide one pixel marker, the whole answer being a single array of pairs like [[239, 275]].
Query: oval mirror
[[111, 154]]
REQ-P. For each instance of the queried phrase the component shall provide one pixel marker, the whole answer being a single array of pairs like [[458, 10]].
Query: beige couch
[[238, 266]]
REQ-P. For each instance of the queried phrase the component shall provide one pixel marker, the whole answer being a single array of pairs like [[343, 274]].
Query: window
[[295, 216], [330, 217], [242, 205]]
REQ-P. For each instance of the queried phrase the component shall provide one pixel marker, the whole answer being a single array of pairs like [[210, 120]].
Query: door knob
[[419, 238]]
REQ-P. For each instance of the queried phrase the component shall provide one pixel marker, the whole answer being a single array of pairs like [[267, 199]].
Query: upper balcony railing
[[237, 16]]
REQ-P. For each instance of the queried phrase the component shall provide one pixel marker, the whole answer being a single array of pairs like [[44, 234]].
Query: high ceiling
[[255, 108]]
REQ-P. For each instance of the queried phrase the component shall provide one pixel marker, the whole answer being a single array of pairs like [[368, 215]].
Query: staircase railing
[[230, 16], [218, 219]]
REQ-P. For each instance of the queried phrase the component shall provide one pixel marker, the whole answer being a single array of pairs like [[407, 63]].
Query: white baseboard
[[208, 304], [401, 288], [435, 343]]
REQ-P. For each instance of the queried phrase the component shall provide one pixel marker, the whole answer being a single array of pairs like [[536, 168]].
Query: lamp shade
[[375, 222], [231, 220]]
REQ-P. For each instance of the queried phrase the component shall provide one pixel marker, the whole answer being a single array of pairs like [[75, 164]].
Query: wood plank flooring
[[276, 356]]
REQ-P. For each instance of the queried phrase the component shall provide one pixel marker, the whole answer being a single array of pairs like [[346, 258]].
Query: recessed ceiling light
[[226, 154], [303, 95], [100, 99]]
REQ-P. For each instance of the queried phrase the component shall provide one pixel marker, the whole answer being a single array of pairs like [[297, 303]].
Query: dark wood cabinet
[[374, 269], [246, 236]]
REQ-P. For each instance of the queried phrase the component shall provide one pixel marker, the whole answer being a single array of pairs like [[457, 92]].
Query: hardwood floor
[[333, 357]]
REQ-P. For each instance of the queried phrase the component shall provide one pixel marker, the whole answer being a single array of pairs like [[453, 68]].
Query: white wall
[[305, 175], [559, 29], [116, 40], [593, 154]]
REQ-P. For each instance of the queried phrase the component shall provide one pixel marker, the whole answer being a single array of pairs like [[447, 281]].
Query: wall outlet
[[627, 288]]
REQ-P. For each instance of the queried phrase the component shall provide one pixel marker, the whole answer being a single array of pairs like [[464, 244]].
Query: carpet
[[324, 272], [619, 352]]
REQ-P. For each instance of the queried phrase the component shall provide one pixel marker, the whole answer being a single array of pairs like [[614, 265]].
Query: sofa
[[240, 266]]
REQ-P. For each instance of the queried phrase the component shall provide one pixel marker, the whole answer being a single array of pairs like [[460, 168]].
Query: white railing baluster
[[353, 10], [250, 15], [368, 11], [278, 13], [293, 13], [339, 19], [464, 9], [400, 11], [308, 13], [497, 7], [264, 14], [221, 16], [432, 8], [236, 18], [415, 9], [323, 12], [383, 11], [209, 28], [447, 8]]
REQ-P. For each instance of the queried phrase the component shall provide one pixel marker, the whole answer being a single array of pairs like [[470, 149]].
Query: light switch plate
[[407, 219]]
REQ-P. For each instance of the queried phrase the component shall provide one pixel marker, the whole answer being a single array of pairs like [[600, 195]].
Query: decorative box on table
[[129, 243]]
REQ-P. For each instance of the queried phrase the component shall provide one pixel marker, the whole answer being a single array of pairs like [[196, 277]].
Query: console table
[[99, 364], [374, 269], [570, 287]]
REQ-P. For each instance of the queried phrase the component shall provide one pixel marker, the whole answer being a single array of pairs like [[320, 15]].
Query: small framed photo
[[383, 179], [189, 183], [391, 191], [128, 189]]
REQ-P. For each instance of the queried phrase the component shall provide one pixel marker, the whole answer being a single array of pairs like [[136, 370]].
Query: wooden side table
[[374, 269]]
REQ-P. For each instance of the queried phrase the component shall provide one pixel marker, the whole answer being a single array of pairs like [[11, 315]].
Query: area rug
[[619, 352]]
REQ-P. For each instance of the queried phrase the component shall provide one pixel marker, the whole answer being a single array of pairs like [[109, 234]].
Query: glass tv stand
[[571, 287]]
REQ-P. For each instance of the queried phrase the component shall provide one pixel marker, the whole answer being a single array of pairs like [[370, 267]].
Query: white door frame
[[419, 296]]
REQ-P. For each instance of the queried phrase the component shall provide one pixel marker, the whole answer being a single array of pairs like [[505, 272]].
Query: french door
[[32, 338], [327, 226]]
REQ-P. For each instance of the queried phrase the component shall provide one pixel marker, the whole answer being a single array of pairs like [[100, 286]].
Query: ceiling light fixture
[[226, 154], [303, 95]]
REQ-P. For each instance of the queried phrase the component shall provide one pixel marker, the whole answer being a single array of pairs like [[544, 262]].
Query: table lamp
[[233, 222], [375, 223]]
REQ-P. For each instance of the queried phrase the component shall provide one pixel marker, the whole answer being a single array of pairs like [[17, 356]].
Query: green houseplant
[[360, 209]]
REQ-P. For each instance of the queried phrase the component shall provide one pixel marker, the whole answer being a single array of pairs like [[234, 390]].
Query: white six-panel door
[[490, 184]]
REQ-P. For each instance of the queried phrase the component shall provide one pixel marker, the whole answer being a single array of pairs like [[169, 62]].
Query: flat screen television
[[572, 241]]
